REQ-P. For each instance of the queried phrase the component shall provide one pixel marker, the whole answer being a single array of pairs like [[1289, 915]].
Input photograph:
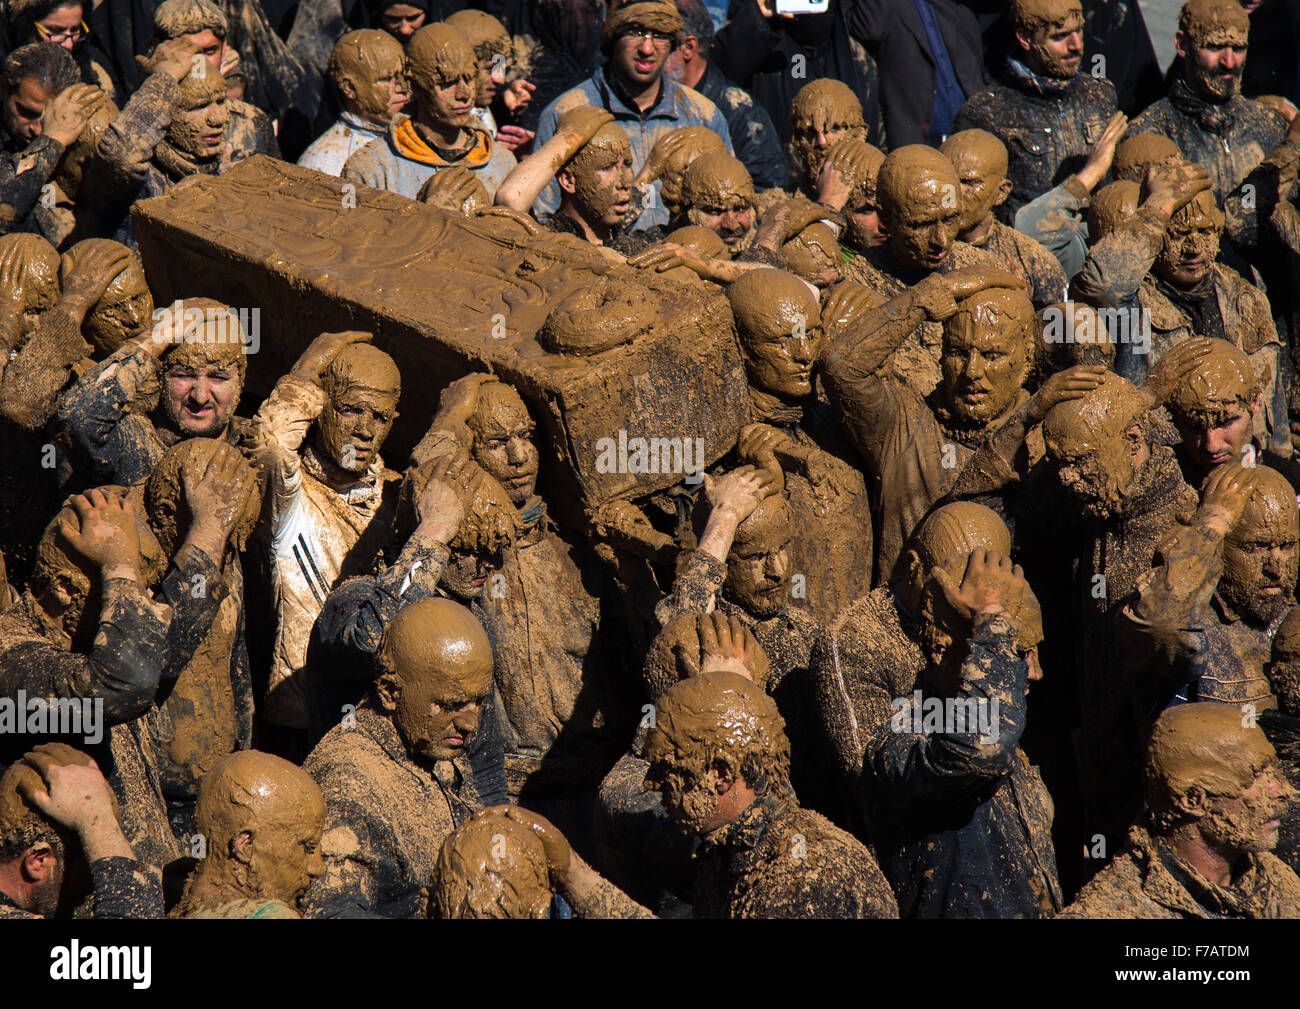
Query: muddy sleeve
[[605, 900], [279, 429], [998, 462], [936, 766], [698, 582], [34, 378], [1055, 221], [1272, 363], [1117, 263], [122, 666], [860, 350], [22, 177], [127, 147], [359, 619], [869, 406], [125, 888], [194, 589], [1266, 186], [94, 410]]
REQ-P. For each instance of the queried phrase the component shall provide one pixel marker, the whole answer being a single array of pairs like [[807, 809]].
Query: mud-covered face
[[863, 219], [1212, 441], [1098, 481], [437, 715], [200, 117], [380, 84], [781, 351], [981, 186], [1250, 821], [813, 137], [923, 228], [728, 215], [1056, 50], [492, 69], [465, 574], [353, 427], [503, 442], [1214, 64], [602, 177], [124, 311], [1260, 565], [287, 855], [688, 789], [758, 566], [983, 366], [450, 102], [1191, 245], [200, 400]]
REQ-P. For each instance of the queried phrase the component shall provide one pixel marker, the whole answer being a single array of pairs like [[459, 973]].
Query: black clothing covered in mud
[[624, 241], [1147, 880], [1048, 127], [386, 818], [340, 667], [1082, 575], [25, 167], [777, 860], [137, 655], [124, 888], [1227, 139], [346, 635], [113, 421], [960, 819]]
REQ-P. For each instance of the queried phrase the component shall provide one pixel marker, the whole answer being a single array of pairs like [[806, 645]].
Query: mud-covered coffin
[[446, 295]]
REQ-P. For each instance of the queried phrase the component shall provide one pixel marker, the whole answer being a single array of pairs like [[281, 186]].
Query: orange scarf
[[410, 145]]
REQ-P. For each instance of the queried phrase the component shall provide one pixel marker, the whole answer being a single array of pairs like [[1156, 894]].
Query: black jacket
[[961, 822], [892, 32]]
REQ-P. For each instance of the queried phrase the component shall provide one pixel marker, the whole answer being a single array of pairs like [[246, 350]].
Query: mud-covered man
[[960, 820], [318, 437], [367, 70], [59, 832], [180, 379], [261, 820], [438, 130], [1045, 106], [1203, 849], [1202, 624], [394, 772]]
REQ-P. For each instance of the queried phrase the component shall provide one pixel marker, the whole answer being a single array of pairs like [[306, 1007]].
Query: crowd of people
[[987, 607]]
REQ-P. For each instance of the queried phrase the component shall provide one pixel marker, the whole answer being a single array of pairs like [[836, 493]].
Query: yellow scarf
[[409, 145]]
